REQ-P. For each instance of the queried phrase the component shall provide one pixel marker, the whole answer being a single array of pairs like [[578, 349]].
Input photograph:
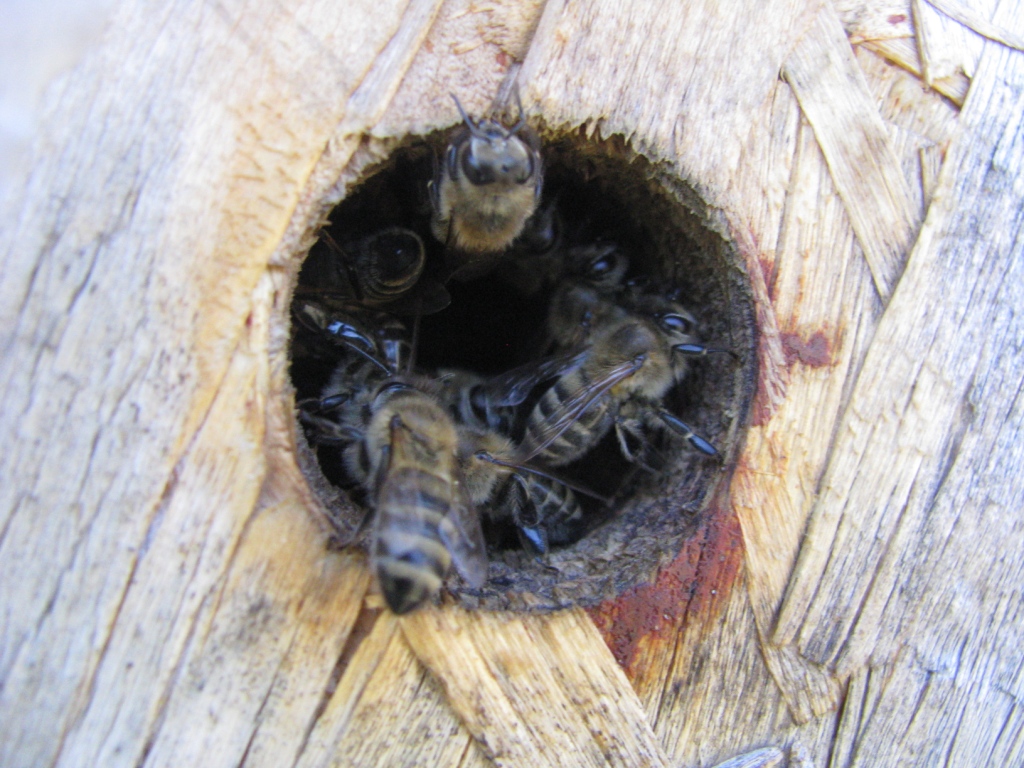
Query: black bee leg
[[627, 431], [699, 350], [680, 427], [532, 531], [533, 539], [342, 534]]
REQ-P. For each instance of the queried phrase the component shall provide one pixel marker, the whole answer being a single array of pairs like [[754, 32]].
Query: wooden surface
[[167, 596]]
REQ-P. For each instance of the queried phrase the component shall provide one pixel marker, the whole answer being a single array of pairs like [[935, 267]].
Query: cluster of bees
[[433, 451]]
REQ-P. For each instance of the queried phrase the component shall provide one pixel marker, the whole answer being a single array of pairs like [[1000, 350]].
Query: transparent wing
[[514, 386], [464, 538], [573, 407]]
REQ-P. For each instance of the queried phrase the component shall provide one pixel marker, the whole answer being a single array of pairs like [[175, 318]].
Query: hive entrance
[[602, 192]]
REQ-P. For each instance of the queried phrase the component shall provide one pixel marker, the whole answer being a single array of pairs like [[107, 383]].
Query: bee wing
[[514, 386], [464, 538], [427, 297], [573, 407]]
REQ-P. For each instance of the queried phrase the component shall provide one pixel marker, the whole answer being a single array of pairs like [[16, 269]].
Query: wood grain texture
[[131, 298], [700, 121], [166, 591], [865, 20], [836, 101], [535, 690], [386, 709], [903, 52], [976, 20], [938, 546]]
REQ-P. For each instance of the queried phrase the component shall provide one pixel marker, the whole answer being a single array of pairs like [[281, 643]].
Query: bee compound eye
[[478, 174], [673, 323]]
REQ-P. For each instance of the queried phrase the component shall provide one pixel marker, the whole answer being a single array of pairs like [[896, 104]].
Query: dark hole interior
[[602, 192]]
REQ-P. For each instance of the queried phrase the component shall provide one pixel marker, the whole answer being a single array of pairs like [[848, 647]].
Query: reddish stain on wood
[[814, 352], [503, 59], [691, 585], [767, 268], [897, 18], [762, 409]]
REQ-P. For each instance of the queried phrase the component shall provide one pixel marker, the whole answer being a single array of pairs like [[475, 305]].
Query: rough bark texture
[[167, 596]]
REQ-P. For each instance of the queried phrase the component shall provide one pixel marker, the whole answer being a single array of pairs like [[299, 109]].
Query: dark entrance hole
[[603, 191]]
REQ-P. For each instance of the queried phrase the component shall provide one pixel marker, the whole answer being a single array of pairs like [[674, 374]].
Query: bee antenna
[[522, 114], [473, 127]]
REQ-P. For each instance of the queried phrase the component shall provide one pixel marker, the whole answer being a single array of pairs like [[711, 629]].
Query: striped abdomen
[[409, 555], [557, 508], [582, 433]]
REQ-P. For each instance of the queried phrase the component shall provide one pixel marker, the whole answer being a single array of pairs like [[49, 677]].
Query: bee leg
[[342, 535], [678, 426], [699, 350], [324, 431], [533, 539], [375, 480], [625, 429], [532, 532]]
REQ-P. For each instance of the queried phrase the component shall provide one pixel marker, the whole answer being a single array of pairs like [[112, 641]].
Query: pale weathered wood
[[835, 98], [166, 590], [535, 690], [385, 710], [699, 120], [976, 20], [876, 20], [826, 307], [903, 53], [922, 492], [129, 278]]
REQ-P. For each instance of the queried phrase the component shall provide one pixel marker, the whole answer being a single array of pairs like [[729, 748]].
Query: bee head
[[602, 265], [495, 154]]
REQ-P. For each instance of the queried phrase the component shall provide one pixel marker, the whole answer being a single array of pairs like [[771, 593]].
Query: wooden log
[[167, 591]]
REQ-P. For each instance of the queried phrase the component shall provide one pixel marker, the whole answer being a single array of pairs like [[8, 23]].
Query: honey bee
[[632, 359], [376, 336], [485, 189], [544, 509], [383, 270], [401, 446], [489, 402], [594, 275], [424, 521]]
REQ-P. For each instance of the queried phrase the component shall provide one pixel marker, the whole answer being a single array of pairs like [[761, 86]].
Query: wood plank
[[688, 100], [535, 690], [945, 48], [835, 98], [904, 101], [929, 425], [718, 698], [976, 18], [827, 307], [128, 279], [385, 710], [903, 53], [874, 19]]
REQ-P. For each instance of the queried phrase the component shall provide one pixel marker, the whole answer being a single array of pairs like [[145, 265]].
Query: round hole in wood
[[602, 191]]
